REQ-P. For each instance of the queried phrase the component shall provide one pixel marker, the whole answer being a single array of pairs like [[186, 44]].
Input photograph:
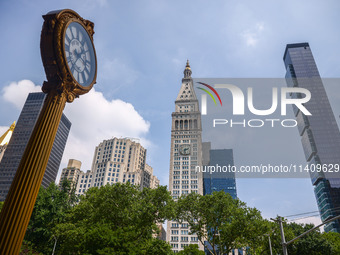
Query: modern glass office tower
[[218, 180], [319, 132], [19, 140]]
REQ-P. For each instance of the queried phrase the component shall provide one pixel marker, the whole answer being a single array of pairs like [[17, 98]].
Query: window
[[184, 239], [174, 238], [194, 239]]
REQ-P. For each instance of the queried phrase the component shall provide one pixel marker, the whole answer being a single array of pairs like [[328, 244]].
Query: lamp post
[[270, 244], [69, 60]]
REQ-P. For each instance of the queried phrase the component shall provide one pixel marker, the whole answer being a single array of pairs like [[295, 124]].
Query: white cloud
[[115, 71], [251, 36], [259, 26], [17, 92], [93, 118], [314, 220]]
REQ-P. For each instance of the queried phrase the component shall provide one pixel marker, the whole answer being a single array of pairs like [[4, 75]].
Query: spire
[[187, 70], [187, 66], [4, 139], [11, 128]]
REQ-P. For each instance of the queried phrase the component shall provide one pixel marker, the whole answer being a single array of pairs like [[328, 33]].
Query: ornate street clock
[[70, 64], [68, 53]]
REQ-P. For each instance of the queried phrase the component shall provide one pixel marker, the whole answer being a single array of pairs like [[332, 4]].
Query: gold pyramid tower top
[[4, 139]]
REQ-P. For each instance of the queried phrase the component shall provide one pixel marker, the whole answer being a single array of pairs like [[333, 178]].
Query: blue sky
[[142, 47]]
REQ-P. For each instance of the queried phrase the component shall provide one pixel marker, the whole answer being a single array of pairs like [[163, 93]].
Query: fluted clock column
[[18, 207]]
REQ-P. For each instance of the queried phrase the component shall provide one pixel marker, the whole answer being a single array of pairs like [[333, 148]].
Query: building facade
[[185, 155], [319, 132], [116, 160], [57, 151], [19, 140], [71, 172], [218, 181]]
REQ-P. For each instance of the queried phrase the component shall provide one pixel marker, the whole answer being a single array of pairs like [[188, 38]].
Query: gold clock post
[[61, 87]]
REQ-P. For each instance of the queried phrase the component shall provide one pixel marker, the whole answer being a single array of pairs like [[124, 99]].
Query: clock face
[[79, 53], [185, 149]]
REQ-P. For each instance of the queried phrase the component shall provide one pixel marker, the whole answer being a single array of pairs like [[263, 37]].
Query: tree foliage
[[314, 243], [50, 209], [191, 249], [334, 240], [116, 219], [226, 223], [121, 219]]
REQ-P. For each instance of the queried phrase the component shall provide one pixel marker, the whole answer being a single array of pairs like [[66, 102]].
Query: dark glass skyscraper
[[320, 136], [218, 180], [19, 140]]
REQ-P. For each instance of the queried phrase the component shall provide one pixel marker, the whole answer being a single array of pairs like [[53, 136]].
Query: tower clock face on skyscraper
[[79, 54], [185, 149]]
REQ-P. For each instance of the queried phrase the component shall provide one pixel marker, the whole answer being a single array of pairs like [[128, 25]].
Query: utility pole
[[283, 240], [285, 244]]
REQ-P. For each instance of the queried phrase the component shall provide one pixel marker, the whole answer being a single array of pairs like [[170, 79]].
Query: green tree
[[226, 223], [311, 244], [314, 243], [333, 239], [50, 209], [192, 249], [116, 219]]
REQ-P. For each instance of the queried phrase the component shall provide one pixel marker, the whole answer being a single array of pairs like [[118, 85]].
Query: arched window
[[186, 124]]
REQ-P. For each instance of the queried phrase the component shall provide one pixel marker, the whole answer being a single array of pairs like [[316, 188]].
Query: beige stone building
[[185, 155], [116, 160], [71, 172]]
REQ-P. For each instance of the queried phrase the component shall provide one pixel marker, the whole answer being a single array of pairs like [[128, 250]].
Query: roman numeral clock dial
[[79, 54], [68, 53]]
